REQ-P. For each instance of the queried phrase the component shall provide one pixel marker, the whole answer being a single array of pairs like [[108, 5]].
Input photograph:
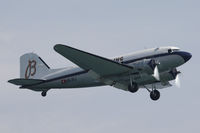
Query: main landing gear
[[133, 87], [154, 94]]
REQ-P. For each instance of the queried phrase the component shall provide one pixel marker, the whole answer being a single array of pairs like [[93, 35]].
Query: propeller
[[177, 80], [154, 65], [176, 74], [156, 73]]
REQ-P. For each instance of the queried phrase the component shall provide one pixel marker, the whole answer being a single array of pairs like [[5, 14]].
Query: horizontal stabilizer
[[25, 81]]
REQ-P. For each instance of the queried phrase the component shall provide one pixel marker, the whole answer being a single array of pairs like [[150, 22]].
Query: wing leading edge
[[100, 65]]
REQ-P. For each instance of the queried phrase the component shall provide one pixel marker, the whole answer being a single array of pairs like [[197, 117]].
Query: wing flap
[[88, 61], [25, 81]]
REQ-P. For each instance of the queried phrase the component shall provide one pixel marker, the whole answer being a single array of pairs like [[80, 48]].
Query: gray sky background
[[107, 28]]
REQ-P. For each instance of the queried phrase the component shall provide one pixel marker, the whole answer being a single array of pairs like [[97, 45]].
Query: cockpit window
[[172, 50], [169, 51]]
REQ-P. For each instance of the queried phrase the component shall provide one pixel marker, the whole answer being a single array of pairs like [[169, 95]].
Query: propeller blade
[[177, 81], [156, 73]]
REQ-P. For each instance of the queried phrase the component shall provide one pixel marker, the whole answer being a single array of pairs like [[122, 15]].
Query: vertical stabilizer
[[32, 67]]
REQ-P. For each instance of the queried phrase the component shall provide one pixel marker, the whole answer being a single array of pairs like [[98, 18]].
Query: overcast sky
[[107, 28]]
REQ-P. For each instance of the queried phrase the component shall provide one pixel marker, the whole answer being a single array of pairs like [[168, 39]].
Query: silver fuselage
[[75, 77]]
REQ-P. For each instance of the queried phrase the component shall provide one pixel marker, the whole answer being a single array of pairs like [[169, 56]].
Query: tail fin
[[32, 66]]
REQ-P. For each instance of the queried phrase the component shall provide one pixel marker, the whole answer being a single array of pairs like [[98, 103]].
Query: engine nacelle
[[146, 65]]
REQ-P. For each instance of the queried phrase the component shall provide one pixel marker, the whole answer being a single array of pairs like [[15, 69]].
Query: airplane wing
[[100, 65]]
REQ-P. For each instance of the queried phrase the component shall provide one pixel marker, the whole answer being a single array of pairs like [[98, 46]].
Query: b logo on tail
[[30, 69]]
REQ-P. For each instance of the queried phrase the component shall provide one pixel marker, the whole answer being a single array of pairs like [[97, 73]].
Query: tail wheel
[[44, 93], [155, 95]]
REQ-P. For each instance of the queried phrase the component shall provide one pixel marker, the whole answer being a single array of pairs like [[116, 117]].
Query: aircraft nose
[[186, 56]]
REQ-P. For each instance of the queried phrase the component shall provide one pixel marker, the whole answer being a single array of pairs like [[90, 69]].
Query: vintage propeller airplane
[[151, 69]]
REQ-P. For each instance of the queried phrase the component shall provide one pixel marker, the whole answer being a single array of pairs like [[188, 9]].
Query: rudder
[[32, 66]]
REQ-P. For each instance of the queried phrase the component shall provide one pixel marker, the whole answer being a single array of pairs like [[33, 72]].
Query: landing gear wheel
[[134, 88], [155, 95], [44, 93]]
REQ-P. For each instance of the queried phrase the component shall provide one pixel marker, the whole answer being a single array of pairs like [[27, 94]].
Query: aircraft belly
[[83, 80]]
